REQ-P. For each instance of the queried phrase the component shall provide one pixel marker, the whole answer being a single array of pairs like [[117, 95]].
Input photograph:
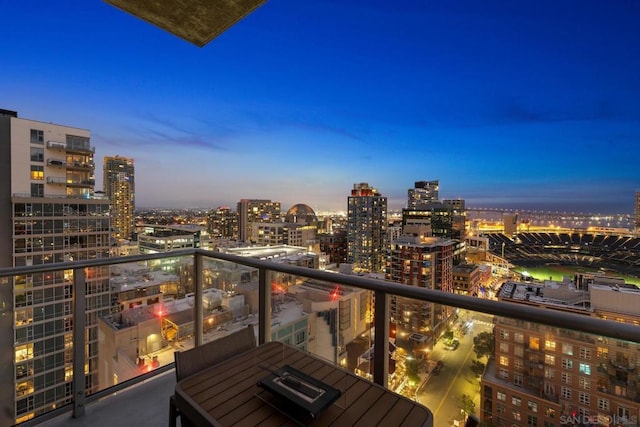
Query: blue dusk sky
[[522, 104]]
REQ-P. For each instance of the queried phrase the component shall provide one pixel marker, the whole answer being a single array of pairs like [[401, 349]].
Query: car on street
[[436, 369], [452, 345]]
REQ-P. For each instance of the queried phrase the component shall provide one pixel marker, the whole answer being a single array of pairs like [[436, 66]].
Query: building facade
[[423, 192], [222, 222], [48, 214], [366, 228], [424, 262], [545, 376], [466, 279], [334, 245], [167, 238], [119, 187], [253, 210]]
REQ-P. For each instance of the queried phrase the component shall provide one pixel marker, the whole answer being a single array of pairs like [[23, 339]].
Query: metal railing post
[[264, 315], [79, 324], [381, 339], [198, 300]]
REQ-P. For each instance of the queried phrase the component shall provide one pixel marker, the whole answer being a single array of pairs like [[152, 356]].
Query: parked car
[[436, 369]]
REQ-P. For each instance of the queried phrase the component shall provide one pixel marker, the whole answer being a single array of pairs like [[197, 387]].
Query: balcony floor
[[145, 404]]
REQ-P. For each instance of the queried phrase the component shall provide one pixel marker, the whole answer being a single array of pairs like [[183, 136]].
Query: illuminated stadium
[[599, 251]]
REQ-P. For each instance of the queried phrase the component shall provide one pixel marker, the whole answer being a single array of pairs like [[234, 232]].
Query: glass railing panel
[[137, 333], [229, 298], [328, 319], [440, 355]]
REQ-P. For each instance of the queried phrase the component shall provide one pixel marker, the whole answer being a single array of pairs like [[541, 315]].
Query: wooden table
[[227, 394]]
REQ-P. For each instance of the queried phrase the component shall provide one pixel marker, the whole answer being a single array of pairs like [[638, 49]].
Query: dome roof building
[[301, 214]]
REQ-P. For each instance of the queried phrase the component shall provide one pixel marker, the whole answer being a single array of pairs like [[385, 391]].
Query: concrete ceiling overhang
[[197, 21]]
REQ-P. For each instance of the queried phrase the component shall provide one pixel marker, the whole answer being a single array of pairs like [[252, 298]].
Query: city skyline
[[527, 105]]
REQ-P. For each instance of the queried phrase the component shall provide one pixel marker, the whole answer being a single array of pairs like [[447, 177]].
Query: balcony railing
[[266, 270], [56, 145]]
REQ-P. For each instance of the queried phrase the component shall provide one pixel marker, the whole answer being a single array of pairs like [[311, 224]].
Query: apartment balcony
[[79, 148], [84, 183], [58, 180], [136, 386], [57, 145], [56, 163], [81, 166]]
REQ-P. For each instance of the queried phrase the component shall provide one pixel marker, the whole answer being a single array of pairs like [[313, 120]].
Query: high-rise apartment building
[[425, 262], [422, 193], [119, 187], [222, 222], [446, 218], [366, 228], [48, 214], [253, 210], [543, 376]]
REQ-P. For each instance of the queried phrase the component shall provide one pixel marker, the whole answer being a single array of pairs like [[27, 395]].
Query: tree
[[483, 344], [412, 371], [477, 367], [467, 405]]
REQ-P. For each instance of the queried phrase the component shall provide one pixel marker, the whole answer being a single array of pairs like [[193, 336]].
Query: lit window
[[549, 359], [603, 352], [567, 349], [585, 369], [37, 173], [516, 401], [504, 347], [534, 343], [501, 395], [533, 406], [504, 360], [550, 345], [24, 352]]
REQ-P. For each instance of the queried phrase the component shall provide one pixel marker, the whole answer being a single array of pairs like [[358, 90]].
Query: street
[[443, 392]]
